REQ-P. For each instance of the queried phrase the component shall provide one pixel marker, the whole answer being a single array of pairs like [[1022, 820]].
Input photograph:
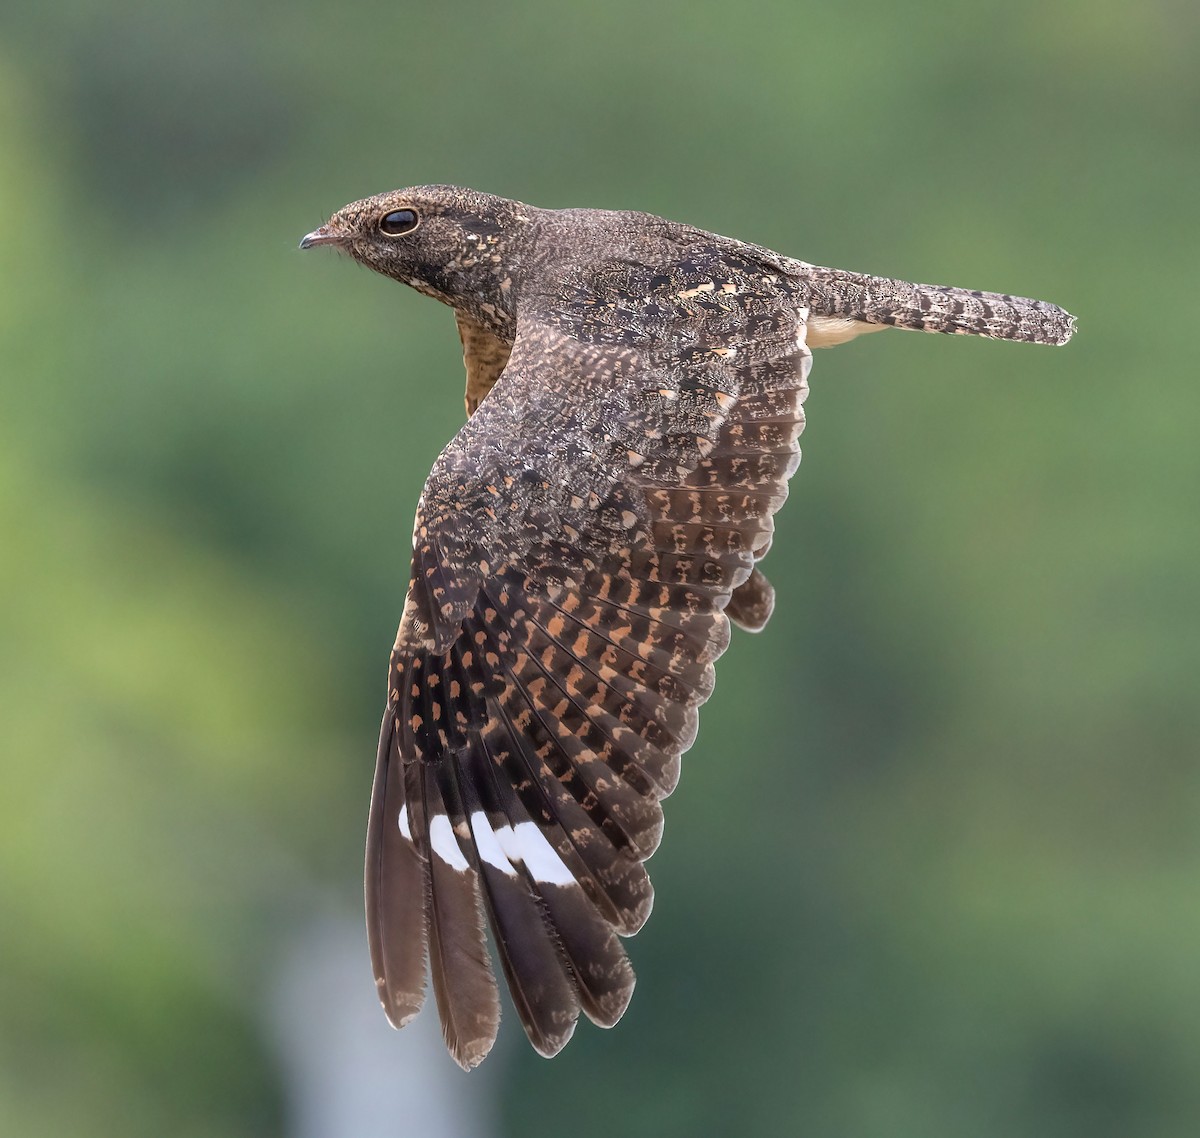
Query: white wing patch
[[506, 847], [502, 848], [445, 844], [488, 845], [526, 843]]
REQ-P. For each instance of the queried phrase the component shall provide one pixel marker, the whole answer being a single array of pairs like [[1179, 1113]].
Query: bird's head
[[459, 246]]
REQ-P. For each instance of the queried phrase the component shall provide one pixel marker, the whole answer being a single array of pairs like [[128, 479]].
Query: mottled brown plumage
[[635, 391]]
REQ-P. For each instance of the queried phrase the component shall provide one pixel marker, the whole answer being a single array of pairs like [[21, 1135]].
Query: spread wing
[[575, 549]]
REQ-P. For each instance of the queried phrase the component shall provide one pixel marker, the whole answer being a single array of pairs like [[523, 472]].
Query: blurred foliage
[[931, 869]]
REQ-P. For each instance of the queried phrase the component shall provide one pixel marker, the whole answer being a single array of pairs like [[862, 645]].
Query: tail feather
[[837, 296]]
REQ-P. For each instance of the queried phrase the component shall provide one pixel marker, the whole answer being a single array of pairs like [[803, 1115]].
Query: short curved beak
[[320, 236]]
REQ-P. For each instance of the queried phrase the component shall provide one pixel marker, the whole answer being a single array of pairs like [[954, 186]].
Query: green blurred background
[[934, 865]]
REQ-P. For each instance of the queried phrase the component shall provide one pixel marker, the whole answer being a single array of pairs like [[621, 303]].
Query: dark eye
[[397, 222]]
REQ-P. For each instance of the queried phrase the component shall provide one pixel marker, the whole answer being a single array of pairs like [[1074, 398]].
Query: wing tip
[[549, 1046], [606, 1011], [400, 1007], [468, 1054]]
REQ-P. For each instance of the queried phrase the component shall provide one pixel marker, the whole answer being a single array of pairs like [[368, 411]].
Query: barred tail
[[840, 298]]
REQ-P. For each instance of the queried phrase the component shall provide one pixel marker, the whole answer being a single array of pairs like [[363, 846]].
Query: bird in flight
[[634, 392]]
